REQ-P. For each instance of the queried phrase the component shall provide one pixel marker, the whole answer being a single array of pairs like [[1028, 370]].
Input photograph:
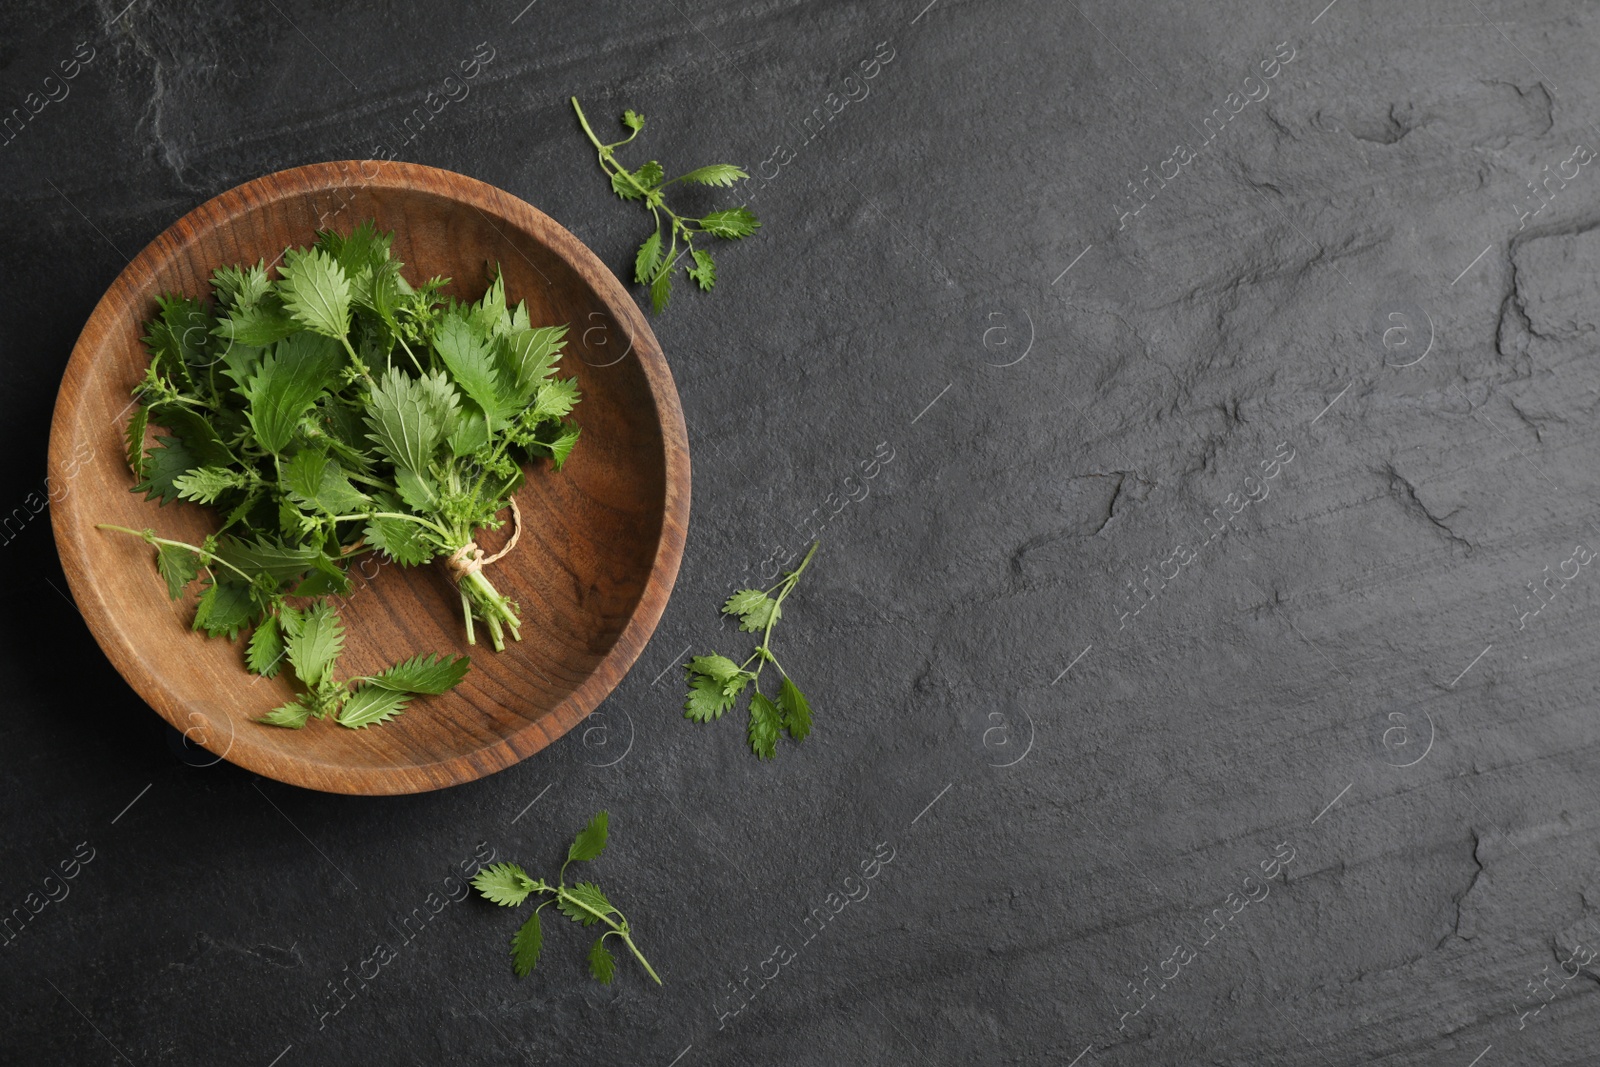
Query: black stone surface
[[1338, 723]]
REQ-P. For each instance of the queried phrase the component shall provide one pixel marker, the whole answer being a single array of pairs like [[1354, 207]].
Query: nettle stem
[[617, 929]]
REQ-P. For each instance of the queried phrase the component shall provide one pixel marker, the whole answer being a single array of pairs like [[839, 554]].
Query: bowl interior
[[600, 543]]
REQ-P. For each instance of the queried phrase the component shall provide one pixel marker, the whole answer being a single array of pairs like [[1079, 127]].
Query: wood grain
[[601, 543]]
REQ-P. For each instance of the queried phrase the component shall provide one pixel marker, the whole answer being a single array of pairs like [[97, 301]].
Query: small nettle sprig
[[715, 682], [509, 886], [658, 257]]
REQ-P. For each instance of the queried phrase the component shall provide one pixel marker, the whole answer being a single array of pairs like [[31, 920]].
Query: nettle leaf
[[266, 652], [754, 608], [704, 272], [431, 673], [203, 485], [293, 715], [647, 258], [528, 358], [661, 290], [796, 710], [316, 480], [280, 562], [591, 840], [443, 400], [585, 904], [732, 223], [240, 286], [562, 446], [225, 609], [720, 668], [419, 491], [556, 398], [197, 433], [765, 722], [265, 323], [718, 174], [401, 418], [316, 292], [365, 249], [525, 946], [622, 185], [179, 566], [134, 436], [504, 883], [708, 699], [468, 358], [633, 120], [404, 542], [286, 384], [602, 964], [649, 175], [164, 466], [372, 704], [316, 644]]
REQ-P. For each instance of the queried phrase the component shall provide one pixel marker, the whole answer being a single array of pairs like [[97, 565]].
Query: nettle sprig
[[509, 886], [715, 682], [658, 257]]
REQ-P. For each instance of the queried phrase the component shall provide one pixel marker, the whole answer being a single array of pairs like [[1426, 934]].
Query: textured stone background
[[1080, 718]]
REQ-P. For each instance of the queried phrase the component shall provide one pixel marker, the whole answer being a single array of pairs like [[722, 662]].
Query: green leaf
[[134, 436], [165, 464], [443, 400], [265, 655], [525, 946], [661, 290], [316, 292], [294, 715], [179, 566], [796, 710], [528, 357], [280, 562], [432, 673], [240, 286], [649, 175], [708, 699], [419, 491], [317, 645], [720, 668], [584, 903], [754, 609], [624, 187], [704, 272], [467, 356], [471, 433], [225, 608], [648, 257], [299, 368], [404, 542], [372, 704], [590, 842], [318, 481], [263, 324], [719, 174], [602, 964], [633, 120], [504, 883], [556, 398], [562, 446], [743, 601], [197, 432], [204, 484], [400, 415], [363, 250], [765, 723], [733, 222]]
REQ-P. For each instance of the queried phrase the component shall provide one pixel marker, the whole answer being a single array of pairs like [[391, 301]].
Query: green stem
[[419, 520], [621, 930], [149, 537]]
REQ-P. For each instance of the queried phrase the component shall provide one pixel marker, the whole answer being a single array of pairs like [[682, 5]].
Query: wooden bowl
[[601, 539]]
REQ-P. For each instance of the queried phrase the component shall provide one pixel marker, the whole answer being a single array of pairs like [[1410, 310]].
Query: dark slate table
[[1205, 672]]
